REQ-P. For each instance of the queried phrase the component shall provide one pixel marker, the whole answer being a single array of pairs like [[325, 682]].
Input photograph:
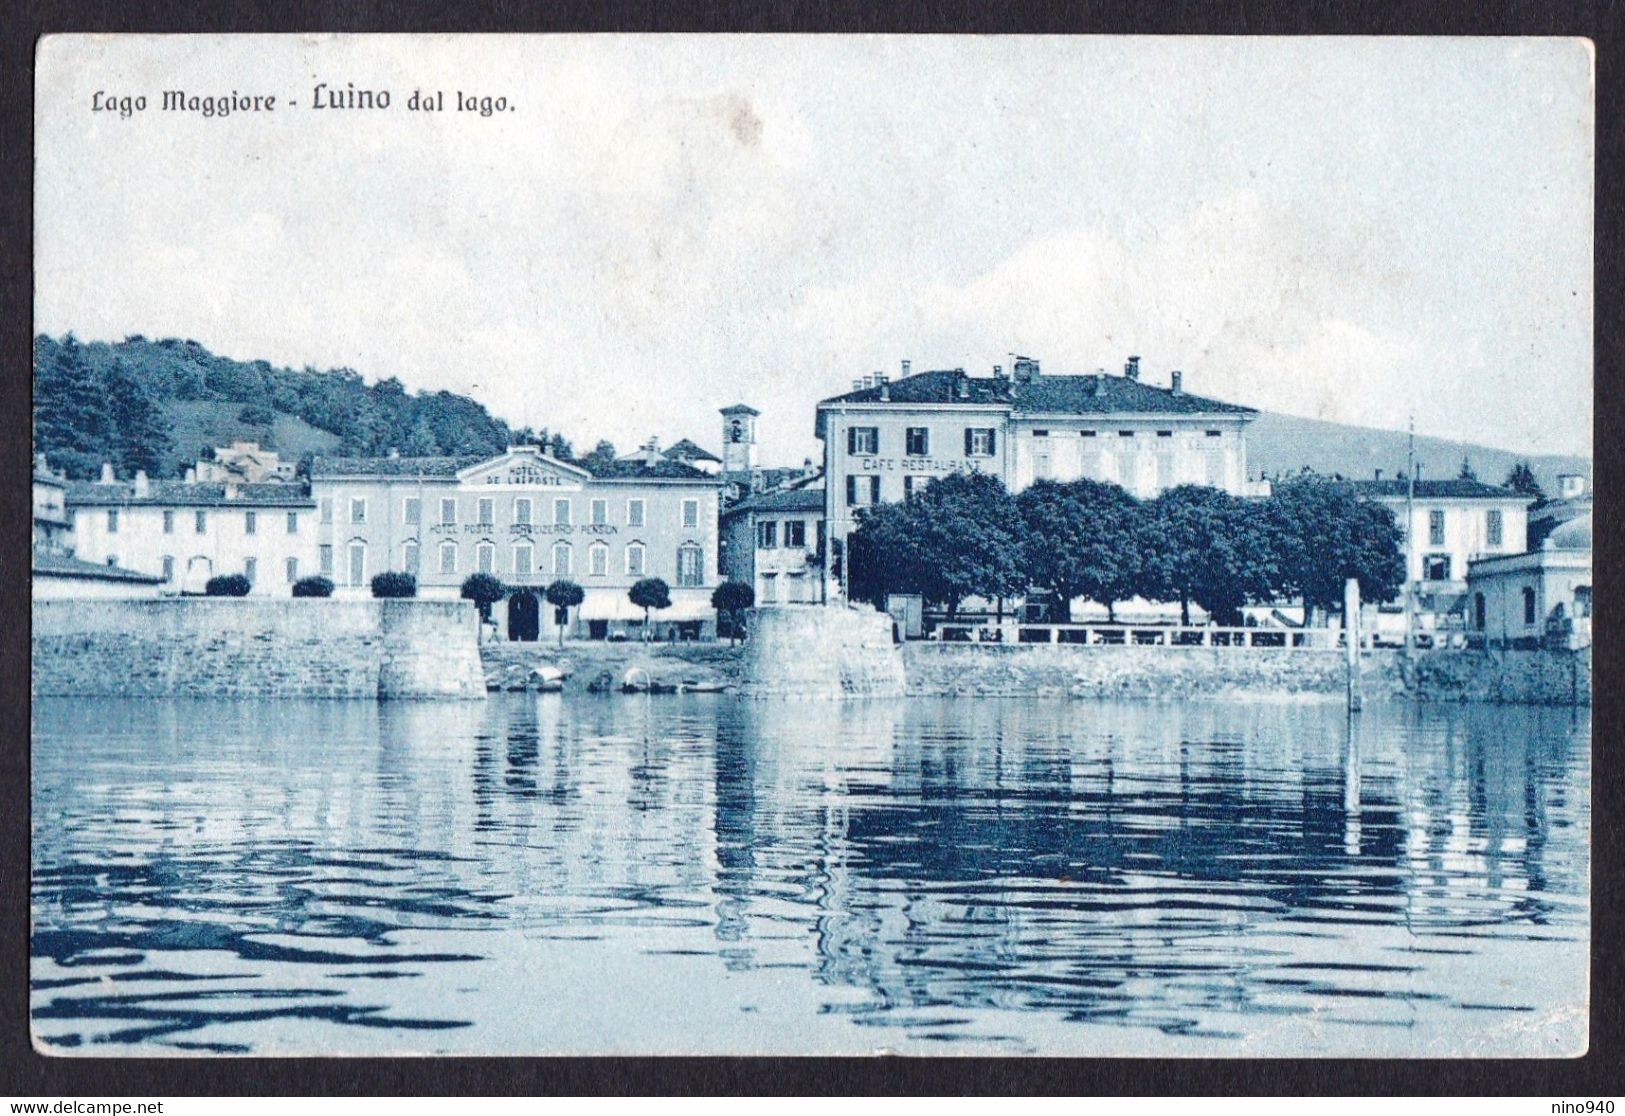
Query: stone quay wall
[[598, 665], [247, 647], [814, 651]]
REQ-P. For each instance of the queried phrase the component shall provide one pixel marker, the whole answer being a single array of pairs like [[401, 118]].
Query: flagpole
[[1410, 535]]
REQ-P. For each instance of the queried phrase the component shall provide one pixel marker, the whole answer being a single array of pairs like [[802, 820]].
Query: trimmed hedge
[[227, 585], [313, 586], [393, 584]]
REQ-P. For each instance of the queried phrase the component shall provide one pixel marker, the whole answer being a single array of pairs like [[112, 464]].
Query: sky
[[1350, 229]]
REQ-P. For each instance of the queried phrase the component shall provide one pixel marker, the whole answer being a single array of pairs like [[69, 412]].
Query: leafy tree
[[961, 537], [256, 414], [392, 584], [72, 423], [1324, 534], [602, 454], [227, 585], [1207, 546], [1466, 472], [485, 591], [649, 593], [1522, 481], [565, 595], [1084, 539], [731, 599], [314, 586], [141, 431]]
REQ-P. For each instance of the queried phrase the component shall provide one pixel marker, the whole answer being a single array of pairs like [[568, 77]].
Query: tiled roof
[[55, 564], [1437, 489], [788, 499], [740, 409], [394, 466], [636, 468], [1078, 395], [686, 450], [178, 493]]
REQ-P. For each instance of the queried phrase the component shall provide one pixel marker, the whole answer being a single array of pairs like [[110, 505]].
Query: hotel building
[[529, 520], [885, 440]]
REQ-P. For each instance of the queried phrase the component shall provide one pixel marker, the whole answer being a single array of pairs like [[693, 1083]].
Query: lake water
[[703, 875]]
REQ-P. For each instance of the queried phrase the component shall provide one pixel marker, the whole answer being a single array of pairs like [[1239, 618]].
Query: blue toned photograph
[[841, 545]]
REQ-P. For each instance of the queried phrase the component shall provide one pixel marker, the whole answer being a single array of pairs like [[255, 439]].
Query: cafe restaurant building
[[528, 520]]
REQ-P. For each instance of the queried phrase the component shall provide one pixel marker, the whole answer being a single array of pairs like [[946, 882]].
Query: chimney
[[191, 474], [998, 371], [906, 365], [1178, 379], [1024, 370], [141, 484], [1378, 475], [1131, 370], [961, 384], [39, 464], [107, 473], [651, 452], [231, 490], [857, 385], [885, 389]]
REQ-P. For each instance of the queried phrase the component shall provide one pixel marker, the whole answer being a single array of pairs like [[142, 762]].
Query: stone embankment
[[600, 667], [815, 651], [230, 647]]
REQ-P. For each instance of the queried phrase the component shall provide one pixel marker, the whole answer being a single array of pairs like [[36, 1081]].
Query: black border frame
[[24, 1073]]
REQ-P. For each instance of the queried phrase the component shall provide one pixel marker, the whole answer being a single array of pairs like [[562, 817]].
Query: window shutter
[[967, 441], [874, 490], [851, 439], [851, 489], [993, 443]]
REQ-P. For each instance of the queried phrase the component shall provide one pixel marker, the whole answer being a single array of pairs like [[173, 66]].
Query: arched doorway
[[524, 616]]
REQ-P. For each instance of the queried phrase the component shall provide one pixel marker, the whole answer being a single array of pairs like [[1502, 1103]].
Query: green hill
[[155, 405]]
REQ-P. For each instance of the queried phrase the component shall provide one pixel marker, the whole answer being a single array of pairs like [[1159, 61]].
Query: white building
[[1539, 597], [184, 534], [774, 542], [885, 440]]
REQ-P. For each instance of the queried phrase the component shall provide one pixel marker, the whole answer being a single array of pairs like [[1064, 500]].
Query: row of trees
[[966, 536]]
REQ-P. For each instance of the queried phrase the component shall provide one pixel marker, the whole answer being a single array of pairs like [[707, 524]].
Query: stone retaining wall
[[821, 652], [243, 647], [585, 663]]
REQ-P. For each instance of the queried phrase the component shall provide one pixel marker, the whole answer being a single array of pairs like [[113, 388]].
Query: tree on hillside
[[142, 438], [1084, 540], [1522, 481], [1324, 534], [649, 593], [1467, 472], [72, 423]]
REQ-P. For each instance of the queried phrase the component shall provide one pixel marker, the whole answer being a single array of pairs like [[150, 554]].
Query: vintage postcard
[[808, 545]]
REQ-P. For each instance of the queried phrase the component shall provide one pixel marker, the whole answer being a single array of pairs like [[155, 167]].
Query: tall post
[[1351, 639], [1410, 536]]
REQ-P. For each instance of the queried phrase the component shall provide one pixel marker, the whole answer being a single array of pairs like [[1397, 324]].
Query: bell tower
[[739, 438]]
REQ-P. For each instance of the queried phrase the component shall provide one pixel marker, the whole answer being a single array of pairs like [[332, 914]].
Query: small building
[[1573, 501], [58, 575], [774, 542], [53, 527], [694, 456], [186, 533], [1541, 597], [1452, 523], [527, 519], [245, 463]]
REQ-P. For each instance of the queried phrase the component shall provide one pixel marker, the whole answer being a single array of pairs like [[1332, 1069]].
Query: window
[[794, 592], [1478, 611], [863, 439], [291, 572], [1165, 433], [327, 509], [448, 511], [412, 510], [599, 512], [409, 558], [634, 559], [863, 491], [486, 507], [251, 523], [485, 558], [561, 559], [690, 565], [1040, 433], [913, 486], [293, 523], [1041, 467], [917, 443], [1492, 527], [169, 522], [770, 588], [251, 569], [691, 513], [767, 535], [1214, 433], [561, 513], [169, 567], [521, 510], [1086, 433], [1165, 470], [1125, 433], [324, 555], [358, 563], [634, 513], [358, 509], [598, 559], [200, 522], [795, 532], [979, 441], [521, 561], [1436, 567], [1528, 606], [1436, 528], [112, 521], [448, 557]]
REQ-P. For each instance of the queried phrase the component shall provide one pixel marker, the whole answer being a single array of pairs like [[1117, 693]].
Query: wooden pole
[[1351, 640]]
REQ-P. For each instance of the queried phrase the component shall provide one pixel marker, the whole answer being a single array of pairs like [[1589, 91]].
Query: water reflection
[[1026, 876]]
